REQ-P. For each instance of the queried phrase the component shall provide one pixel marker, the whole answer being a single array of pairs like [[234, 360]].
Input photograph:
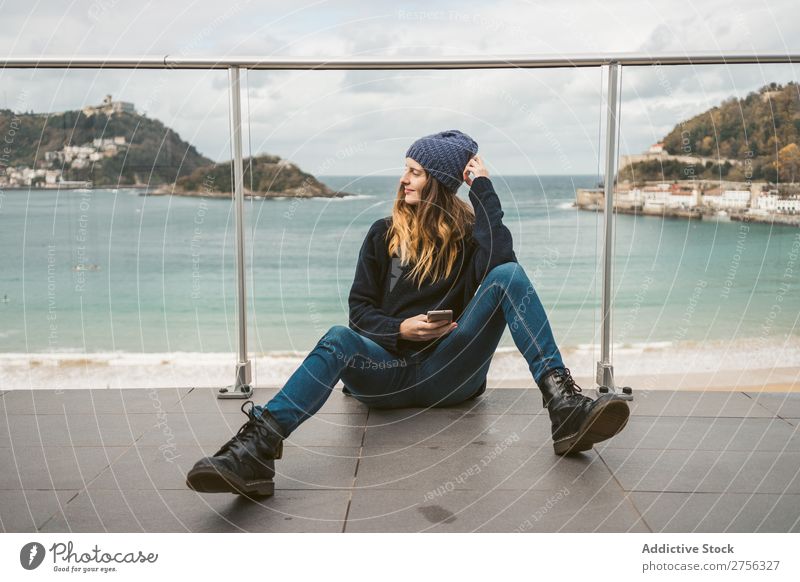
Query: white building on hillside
[[109, 107]]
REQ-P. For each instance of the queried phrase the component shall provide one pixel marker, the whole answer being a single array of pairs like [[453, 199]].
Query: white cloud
[[544, 121]]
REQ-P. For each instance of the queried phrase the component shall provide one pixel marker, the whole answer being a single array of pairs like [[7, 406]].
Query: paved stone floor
[[115, 460]]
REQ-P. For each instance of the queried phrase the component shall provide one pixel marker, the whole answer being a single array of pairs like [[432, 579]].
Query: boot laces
[[247, 432], [569, 386]]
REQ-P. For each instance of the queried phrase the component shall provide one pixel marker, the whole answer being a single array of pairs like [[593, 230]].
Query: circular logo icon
[[31, 555]]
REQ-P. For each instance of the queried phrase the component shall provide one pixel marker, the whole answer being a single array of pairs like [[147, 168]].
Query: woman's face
[[414, 178]]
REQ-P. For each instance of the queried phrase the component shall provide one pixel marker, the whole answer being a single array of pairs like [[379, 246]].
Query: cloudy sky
[[361, 122]]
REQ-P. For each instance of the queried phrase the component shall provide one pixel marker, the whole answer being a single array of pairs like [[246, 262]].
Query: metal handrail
[[626, 59], [614, 61]]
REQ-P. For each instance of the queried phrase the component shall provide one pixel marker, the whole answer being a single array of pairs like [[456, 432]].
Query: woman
[[434, 252]]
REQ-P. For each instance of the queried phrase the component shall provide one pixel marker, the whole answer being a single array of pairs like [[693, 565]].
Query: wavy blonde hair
[[428, 234]]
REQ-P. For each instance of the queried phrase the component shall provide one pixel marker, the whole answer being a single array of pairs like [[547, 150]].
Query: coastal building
[[71, 156], [768, 202], [655, 197], [726, 199], [736, 198], [81, 156], [74, 153], [26, 176], [684, 199], [789, 205], [691, 198], [52, 176], [659, 196]]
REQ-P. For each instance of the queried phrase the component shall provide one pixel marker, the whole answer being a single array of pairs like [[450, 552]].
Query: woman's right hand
[[475, 166], [418, 329]]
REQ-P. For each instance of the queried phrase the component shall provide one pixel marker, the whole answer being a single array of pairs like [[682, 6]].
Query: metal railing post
[[241, 387], [605, 370]]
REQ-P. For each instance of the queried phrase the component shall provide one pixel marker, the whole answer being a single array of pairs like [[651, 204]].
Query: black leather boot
[[246, 463], [578, 421]]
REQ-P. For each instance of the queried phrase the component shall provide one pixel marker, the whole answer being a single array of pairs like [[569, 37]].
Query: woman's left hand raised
[[476, 167]]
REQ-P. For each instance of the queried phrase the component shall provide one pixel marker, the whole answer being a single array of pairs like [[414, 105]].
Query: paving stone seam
[[355, 473], [86, 484], [626, 496]]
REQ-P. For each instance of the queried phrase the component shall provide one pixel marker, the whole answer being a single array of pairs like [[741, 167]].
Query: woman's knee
[[510, 273], [339, 338], [339, 332]]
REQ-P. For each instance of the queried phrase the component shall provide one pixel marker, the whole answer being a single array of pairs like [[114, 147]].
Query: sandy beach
[[748, 363]]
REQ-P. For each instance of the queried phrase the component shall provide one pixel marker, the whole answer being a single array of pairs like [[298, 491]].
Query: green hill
[[153, 153], [761, 130]]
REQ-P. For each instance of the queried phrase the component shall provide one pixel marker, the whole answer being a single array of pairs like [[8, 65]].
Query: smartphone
[[440, 315]]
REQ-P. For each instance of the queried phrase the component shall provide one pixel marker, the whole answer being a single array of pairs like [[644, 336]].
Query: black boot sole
[[212, 480], [606, 420]]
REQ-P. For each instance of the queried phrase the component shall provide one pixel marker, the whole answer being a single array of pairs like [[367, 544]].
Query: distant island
[[272, 177], [112, 146], [738, 161]]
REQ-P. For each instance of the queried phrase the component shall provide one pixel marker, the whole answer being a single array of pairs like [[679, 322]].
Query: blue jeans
[[454, 370]]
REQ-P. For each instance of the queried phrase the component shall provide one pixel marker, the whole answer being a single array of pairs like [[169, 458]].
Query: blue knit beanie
[[444, 155]]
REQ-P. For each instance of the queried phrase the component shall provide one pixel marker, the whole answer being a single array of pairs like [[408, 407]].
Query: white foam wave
[[728, 363], [352, 197]]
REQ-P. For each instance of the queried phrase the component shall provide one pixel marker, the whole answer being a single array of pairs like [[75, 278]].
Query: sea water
[[114, 271]]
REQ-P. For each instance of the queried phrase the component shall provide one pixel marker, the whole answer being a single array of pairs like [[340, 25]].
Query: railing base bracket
[[234, 391]]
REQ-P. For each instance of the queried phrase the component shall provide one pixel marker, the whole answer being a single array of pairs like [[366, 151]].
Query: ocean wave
[[352, 197], [746, 344]]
